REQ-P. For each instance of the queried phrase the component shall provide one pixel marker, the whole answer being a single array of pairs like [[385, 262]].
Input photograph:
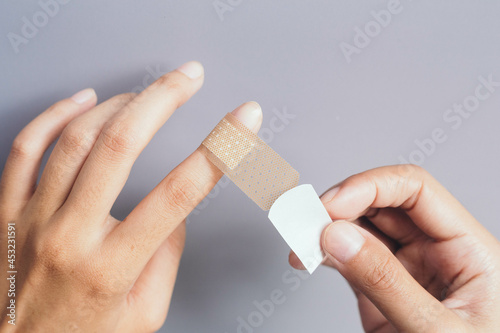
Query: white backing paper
[[300, 218]]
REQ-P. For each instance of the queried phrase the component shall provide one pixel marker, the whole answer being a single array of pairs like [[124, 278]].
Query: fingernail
[[342, 241], [83, 96], [192, 69], [328, 196], [250, 114]]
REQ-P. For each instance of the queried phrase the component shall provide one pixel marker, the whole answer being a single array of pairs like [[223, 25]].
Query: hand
[[415, 258], [78, 268]]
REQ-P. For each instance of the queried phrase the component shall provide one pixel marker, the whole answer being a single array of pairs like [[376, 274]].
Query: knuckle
[[118, 139], [384, 276], [53, 257], [410, 182], [173, 87], [417, 169], [22, 148], [410, 171], [394, 183], [124, 98], [180, 193], [75, 139], [104, 280], [94, 278], [100, 284]]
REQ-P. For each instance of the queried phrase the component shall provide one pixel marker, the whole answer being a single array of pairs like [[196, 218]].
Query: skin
[[422, 264], [80, 269]]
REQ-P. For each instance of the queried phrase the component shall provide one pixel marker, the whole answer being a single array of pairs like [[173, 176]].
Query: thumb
[[372, 269]]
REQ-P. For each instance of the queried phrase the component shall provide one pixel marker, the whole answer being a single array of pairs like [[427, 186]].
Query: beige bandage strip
[[296, 212], [249, 162]]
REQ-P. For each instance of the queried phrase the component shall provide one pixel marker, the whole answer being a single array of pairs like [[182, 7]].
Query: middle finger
[[70, 153], [123, 138]]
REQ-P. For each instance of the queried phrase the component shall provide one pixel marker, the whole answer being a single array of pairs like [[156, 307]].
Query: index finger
[[153, 220], [431, 207]]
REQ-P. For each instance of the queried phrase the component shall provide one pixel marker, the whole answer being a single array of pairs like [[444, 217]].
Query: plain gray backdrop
[[286, 55]]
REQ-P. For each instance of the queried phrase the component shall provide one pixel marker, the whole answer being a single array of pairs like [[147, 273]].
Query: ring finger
[[70, 153]]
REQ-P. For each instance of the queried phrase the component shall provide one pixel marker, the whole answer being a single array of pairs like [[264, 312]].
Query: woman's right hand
[[416, 259]]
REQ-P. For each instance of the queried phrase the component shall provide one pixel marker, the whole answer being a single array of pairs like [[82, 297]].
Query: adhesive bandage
[[267, 179]]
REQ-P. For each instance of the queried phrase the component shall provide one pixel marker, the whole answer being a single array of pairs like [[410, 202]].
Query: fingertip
[[329, 194], [250, 114], [295, 261], [192, 69], [342, 241], [85, 96]]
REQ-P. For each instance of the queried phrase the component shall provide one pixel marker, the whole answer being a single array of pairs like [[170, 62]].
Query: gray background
[[284, 54]]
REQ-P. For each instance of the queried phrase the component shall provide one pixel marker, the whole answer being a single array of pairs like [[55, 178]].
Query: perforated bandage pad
[[249, 162]]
